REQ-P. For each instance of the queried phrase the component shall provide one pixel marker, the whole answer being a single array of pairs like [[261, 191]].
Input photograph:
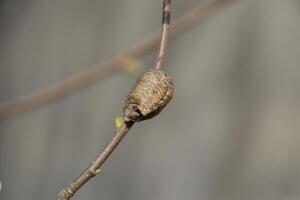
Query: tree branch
[[94, 167], [113, 65], [121, 131], [166, 17]]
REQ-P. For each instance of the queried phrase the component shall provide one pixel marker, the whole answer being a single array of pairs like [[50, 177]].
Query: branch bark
[[120, 133], [94, 167]]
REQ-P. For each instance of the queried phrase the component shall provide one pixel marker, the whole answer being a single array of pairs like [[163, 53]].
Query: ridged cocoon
[[151, 93]]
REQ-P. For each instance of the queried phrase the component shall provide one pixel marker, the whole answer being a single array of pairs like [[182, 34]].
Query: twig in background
[[81, 80]]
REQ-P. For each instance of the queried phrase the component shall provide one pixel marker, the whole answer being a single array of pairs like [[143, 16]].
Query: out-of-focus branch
[[113, 65]]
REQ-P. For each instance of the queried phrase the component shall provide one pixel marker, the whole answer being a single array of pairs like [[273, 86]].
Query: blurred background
[[230, 132]]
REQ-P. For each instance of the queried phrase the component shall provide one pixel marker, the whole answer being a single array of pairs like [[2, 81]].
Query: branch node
[[93, 172]]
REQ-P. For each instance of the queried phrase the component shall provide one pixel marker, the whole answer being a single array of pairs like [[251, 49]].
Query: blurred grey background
[[230, 132]]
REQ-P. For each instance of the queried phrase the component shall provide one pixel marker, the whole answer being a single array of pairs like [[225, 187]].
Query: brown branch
[[81, 80], [120, 132], [166, 18], [94, 167]]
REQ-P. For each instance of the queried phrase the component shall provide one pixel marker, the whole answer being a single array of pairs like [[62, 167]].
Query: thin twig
[[81, 80], [120, 132], [166, 17], [94, 167]]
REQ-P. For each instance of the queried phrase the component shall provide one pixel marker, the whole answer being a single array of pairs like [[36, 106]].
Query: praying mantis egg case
[[152, 91]]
